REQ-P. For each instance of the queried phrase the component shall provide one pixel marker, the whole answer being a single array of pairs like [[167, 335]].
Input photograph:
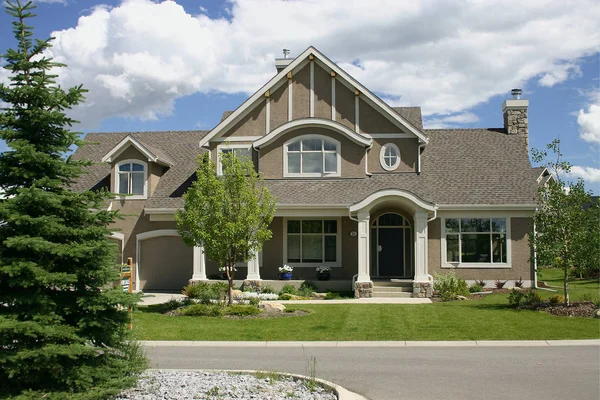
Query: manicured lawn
[[487, 319], [578, 289]]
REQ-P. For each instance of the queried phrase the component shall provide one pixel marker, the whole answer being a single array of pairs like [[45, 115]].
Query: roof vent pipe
[[516, 93], [286, 53]]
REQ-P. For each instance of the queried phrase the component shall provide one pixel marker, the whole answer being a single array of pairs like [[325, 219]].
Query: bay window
[[476, 241]]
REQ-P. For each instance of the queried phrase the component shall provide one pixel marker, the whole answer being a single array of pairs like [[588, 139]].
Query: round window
[[389, 156]]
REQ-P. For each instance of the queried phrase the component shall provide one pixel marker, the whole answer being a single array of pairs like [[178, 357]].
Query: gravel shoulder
[[184, 385]]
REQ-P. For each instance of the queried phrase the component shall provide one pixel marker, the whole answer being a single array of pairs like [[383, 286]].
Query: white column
[[254, 268], [421, 272], [363, 248], [199, 273]]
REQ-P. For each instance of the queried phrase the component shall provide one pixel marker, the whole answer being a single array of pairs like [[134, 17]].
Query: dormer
[[135, 168]]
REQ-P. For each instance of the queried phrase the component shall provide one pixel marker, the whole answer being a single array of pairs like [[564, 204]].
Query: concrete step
[[393, 283], [391, 289], [391, 294]]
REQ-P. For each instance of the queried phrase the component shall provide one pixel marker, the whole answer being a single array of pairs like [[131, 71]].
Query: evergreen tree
[[62, 331]]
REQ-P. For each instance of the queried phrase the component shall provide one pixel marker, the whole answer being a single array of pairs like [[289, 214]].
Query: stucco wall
[[322, 93], [409, 149], [279, 106], [272, 257], [253, 124], [352, 162], [301, 93], [344, 105], [371, 121], [521, 266]]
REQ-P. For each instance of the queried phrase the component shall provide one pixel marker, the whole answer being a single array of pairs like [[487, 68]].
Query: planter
[[324, 276], [285, 276]]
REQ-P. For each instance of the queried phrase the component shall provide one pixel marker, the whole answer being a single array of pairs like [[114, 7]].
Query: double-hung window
[[476, 241], [312, 241], [241, 151], [312, 156], [131, 178]]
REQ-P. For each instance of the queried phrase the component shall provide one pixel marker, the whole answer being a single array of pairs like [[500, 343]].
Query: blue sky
[[166, 65]]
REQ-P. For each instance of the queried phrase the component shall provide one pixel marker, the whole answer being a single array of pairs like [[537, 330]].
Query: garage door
[[165, 263]]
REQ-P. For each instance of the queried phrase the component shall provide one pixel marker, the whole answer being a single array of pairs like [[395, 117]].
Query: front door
[[391, 244]]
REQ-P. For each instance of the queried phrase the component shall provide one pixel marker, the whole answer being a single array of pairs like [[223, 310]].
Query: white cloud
[[51, 1], [588, 174], [138, 57], [450, 121], [589, 121]]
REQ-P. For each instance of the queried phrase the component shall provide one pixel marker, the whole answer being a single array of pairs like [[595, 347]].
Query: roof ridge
[[145, 132]]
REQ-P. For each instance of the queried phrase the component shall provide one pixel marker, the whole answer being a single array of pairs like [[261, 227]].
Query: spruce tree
[[62, 323]]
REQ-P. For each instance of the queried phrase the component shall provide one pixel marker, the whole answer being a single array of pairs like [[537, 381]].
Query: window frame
[[338, 152], [338, 243], [382, 156], [230, 146], [123, 196], [482, 265]]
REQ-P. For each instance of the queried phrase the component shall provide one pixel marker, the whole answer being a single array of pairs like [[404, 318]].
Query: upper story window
[[131, 178], [311, 156], [389, 156], [241, 152]]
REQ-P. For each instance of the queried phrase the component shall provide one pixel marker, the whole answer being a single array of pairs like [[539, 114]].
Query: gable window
[[241, 151], [478, 241], [389, 156], [311, 156], [131, 178], [311, 242]]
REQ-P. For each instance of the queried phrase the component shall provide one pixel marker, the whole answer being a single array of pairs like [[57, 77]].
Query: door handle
[[379, 248]]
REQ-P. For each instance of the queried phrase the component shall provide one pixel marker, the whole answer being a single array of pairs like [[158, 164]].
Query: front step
[[392, 291]]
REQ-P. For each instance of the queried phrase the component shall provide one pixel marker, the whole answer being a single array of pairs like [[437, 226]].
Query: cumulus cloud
[[589, 121], [51, 1], [450, 121], [588, 174], [137, 58]]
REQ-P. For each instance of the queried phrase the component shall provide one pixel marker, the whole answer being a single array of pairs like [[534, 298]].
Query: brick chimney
[[515, 114], [281, 63]]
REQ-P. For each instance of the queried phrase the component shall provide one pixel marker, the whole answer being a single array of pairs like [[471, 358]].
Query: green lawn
[[487, 319], [578, 289]]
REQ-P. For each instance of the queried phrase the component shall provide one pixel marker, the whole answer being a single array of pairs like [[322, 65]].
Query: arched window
[[312, 156], [131, 178], [389, 156]]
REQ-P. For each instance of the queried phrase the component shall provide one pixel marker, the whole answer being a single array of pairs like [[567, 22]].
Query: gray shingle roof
[[412, 115]]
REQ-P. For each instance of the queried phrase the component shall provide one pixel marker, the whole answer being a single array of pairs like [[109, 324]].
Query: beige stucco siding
[[322, 93], [372, 121], [272, 257], [352, 161], [165, 263], [252, 124], [279, 106], [409, 149], [301, 93], [521, 266], [344, 105]]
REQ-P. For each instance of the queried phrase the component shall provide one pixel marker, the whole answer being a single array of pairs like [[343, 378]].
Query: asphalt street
[[414, 373]]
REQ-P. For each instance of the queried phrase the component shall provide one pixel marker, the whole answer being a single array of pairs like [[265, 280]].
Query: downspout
[[367, 160], [534, 255], [419, 160], [435, 208]]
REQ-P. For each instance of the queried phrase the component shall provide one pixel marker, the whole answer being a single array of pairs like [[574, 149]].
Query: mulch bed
[[575, 309]]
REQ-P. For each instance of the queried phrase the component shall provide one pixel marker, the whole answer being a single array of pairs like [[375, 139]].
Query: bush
[[267, 289], [241, 310], [515, 298], [307, 288], [556, 299], [332, 296], [528, 298], [475, 288], [449, 286], [519, 283], [254, 301], [286, 296], [207, 292], [499, 284], [288, 289], [481, 283], [203, 310], [532, 298]]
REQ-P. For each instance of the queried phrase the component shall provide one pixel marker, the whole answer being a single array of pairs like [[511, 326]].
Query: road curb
[[342, 393], [357, 344]]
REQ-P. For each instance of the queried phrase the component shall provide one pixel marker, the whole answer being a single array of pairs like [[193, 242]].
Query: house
[[361, 187]]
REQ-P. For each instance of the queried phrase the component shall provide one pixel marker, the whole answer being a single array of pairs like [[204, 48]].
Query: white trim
[[381, 195], [338, 158], [382, 157], [230, 146], [338, 243], [268, 115], [312, 122], [299, 62], [150, 211], [290, 99], [121, 237], [333, 111], [490, 265], [143, 236], [130, 141], [356, 113], [236, 139], [491, 207], [311, 212], [398, 135], [121, 196], [515, 104], [312, 90]]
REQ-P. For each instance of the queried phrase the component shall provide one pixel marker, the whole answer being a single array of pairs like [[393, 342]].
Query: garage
[[165, 263]]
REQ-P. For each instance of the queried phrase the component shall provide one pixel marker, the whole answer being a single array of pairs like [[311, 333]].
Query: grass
[[578, 289], [487, 319]]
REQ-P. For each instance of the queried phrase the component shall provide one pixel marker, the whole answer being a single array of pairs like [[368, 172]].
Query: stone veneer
[[515, 121], [363, 290], [422, 289]]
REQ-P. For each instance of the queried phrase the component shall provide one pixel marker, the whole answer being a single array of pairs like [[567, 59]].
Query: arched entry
[[391, 246]]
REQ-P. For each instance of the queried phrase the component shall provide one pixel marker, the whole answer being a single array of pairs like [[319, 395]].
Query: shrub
[[288, 288], [203, 310], [332, 296], [499, 284], [307, 288], [556, 299], [449, 286], [519, 283], [267, 289], [241, 310], [254, 301], [532, 298], [481, 283], [286, 296], [515, 297], [207, 292], [475, 288]]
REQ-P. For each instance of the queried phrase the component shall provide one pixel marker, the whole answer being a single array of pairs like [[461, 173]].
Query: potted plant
[[285, 272], [323, 273]]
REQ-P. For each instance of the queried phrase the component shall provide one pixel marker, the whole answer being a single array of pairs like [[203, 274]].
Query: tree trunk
[[230, 281], [566, 284]]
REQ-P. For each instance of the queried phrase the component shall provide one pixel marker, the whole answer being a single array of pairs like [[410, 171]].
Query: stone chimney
[[281, 63], [515, 114]]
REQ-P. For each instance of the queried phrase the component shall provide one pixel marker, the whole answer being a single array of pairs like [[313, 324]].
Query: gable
[[312, 86]]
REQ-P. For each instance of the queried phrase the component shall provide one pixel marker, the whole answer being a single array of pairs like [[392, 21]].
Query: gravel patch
[[184, 385]]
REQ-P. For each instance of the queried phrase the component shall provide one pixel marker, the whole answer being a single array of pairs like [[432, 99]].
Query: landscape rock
[[461, 298], [272, 307], [319, 296], [597, 313]]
